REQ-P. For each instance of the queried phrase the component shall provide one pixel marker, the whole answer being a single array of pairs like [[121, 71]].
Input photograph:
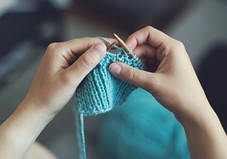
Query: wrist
[[203, 118], [37, 110], [22, 128], [205, 134], [194, 112]]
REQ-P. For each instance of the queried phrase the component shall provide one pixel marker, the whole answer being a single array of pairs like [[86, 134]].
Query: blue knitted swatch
[[99, 92]]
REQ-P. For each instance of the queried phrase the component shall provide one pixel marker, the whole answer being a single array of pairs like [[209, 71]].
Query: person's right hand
[[170, 78]]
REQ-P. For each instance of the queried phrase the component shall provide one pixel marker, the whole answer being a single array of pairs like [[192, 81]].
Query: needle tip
[[125, 47], [115, 35]]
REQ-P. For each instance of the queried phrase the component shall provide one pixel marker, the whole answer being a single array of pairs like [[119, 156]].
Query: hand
[[170, 77], [63, 68], [172, 81]]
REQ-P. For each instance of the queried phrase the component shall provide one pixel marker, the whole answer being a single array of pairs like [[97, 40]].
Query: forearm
[[172, 80], [63, 67], [21, 129], [38, 151], [206, 137]]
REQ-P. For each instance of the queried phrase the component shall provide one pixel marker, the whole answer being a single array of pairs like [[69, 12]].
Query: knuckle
[[91, 39], [148, 28], [87, 61], [130, 75], [159, 85], [53, 47], [66, 78], [156, 84], [178, 44]]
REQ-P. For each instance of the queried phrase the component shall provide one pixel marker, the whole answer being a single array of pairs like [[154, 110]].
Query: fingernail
[[115, 69], [100, 49]]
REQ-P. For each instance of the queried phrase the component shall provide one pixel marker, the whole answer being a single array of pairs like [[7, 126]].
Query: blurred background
[[28, 26]]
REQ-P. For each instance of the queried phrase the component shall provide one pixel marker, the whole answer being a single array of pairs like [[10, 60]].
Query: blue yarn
[[99, 92], [142, 129], [79, 123]]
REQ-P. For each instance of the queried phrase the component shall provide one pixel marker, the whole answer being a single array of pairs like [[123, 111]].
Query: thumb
[[87, 61], [132, 75]]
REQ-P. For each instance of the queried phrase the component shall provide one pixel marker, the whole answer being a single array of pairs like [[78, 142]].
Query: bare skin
[[170, 79], [63, 67]]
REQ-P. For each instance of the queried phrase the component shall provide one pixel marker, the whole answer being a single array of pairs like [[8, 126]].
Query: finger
[[108, 41], [111, 40], [87, 62], [131, 75], [68, 52], [79, 46], [145, 51], [148, 35]]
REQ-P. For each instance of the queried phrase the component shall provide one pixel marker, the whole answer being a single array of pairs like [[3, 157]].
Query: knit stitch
[[100, 91]]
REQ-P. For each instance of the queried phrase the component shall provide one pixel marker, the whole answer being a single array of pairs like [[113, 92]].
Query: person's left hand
[[63, 67]]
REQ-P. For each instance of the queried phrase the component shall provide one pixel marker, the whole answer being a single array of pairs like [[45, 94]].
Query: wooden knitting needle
[[110, 47], [125, 47]]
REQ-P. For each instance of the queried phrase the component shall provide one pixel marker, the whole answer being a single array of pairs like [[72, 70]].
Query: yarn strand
[[99, 92], [79, 123]]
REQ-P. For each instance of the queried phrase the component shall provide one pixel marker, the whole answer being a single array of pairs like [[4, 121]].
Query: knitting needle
[[111, 46], [125, 47]]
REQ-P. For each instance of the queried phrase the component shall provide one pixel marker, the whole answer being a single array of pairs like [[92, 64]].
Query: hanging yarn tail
[[100, 91], [79, 123]]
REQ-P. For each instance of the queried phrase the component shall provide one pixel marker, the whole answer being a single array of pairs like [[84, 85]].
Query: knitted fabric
[[148, 131], [99, 92]]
